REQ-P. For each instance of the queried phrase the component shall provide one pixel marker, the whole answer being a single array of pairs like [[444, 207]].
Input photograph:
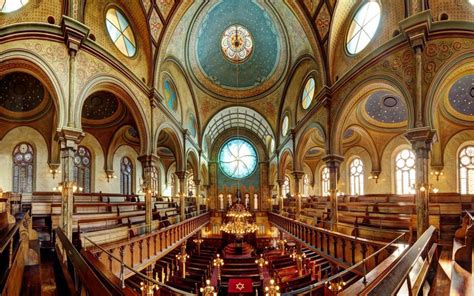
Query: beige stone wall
[[36, 11]]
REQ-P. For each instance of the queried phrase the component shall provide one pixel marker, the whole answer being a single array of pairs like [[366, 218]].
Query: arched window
[[405, 172], [286, 187], [363, 27], [325, 181], [466, 170], [23, 166], [126, 176], [306, 185], [82, 169], [357, 177], [154, 179]]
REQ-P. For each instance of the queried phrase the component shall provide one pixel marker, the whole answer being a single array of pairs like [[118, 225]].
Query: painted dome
[[20, 92], [386, 107], [227, 39], [461, 95]]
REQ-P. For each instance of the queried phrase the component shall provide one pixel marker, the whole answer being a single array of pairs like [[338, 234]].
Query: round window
[[236, 43], [120, 32], [363, 27], [308, 93], [237, 159], [285, 125]]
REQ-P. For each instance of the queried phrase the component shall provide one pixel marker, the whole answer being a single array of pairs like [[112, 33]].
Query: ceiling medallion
[[236, 44], [390, 102]]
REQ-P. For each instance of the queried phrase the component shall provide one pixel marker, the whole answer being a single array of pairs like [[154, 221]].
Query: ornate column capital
[[298, 175], [149, 160], [421, 140], [74, 33], [181, 175], [69, 137], [197, 182], [333, 160], [280, 182], [416, 29]]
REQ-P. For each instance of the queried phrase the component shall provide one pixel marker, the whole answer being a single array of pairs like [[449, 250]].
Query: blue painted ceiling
[[266, 44], [461, 95], [386, 107]]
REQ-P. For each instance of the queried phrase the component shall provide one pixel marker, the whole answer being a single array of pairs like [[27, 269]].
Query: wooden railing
[[407, 275], [341, 249], [140, 251], [464, 243], [14, 241]]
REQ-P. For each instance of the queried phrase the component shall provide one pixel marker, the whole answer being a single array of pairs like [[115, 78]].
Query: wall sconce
[[110, 175], [54, 171], [74, 188], [437, 173], [425, 187], [374, 176]]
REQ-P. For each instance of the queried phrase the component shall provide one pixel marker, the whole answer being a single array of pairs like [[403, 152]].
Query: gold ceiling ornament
[[239, 221]]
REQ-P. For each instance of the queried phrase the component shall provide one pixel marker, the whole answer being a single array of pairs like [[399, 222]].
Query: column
[[333, 162], [280, 182], [298, 176], [148, 167], [422, 140], [68, 139], [182, 193], [197, 183]]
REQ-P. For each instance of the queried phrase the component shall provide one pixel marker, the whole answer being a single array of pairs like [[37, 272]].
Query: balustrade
[[139, 251]]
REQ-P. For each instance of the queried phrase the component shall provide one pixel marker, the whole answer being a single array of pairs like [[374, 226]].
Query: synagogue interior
[[236, 147]]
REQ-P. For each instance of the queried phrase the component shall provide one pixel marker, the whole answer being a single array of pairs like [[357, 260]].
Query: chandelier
[[239, 221]]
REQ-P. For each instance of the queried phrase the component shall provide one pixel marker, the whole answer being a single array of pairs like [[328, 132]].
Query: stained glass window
[[286, 187], [356, 170], [11, 5], [405, 172], [285, 126], [236, 44], [363, 27], [308, 93], [306, 185], [120, 32], [325, 181], [126, 175], [237, 159], [23, 166], [466, 170], [82, 169]]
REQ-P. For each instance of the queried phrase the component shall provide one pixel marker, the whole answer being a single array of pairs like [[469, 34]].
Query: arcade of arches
[[313, 147]]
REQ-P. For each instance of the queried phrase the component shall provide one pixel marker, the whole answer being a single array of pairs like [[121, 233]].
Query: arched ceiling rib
[[241, 117]]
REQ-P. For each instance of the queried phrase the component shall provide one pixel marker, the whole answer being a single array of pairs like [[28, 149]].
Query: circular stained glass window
[[237, 159], [285, 125], [363, 27], [12, 5], [120, 32], [308, 93], [236, 44]]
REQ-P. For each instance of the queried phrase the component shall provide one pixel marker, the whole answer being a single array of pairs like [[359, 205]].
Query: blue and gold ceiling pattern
[[386, 107], [20, 92], [461, 95], [266, 48]]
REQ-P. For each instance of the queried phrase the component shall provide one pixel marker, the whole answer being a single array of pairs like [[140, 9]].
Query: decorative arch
[[312, 136], [192, 160], [368, 145], [173, 142], [116, 142], [286, 159], [359, 92], [121, 90]]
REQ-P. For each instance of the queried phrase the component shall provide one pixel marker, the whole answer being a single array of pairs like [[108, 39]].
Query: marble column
[[422, 140], [298, 177], [280, 182], [148, 167], [197, 183], [182, 193], [333, 162], [68, 139]]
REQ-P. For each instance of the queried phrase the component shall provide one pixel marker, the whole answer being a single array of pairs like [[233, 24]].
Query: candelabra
[[272, 289], [281, 244], [437, 173], [182, 257], [74, 188], [198, 241], [336, 286], [261, 262], [298, 257], [148, 288], [218, 262], [208, 290]]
